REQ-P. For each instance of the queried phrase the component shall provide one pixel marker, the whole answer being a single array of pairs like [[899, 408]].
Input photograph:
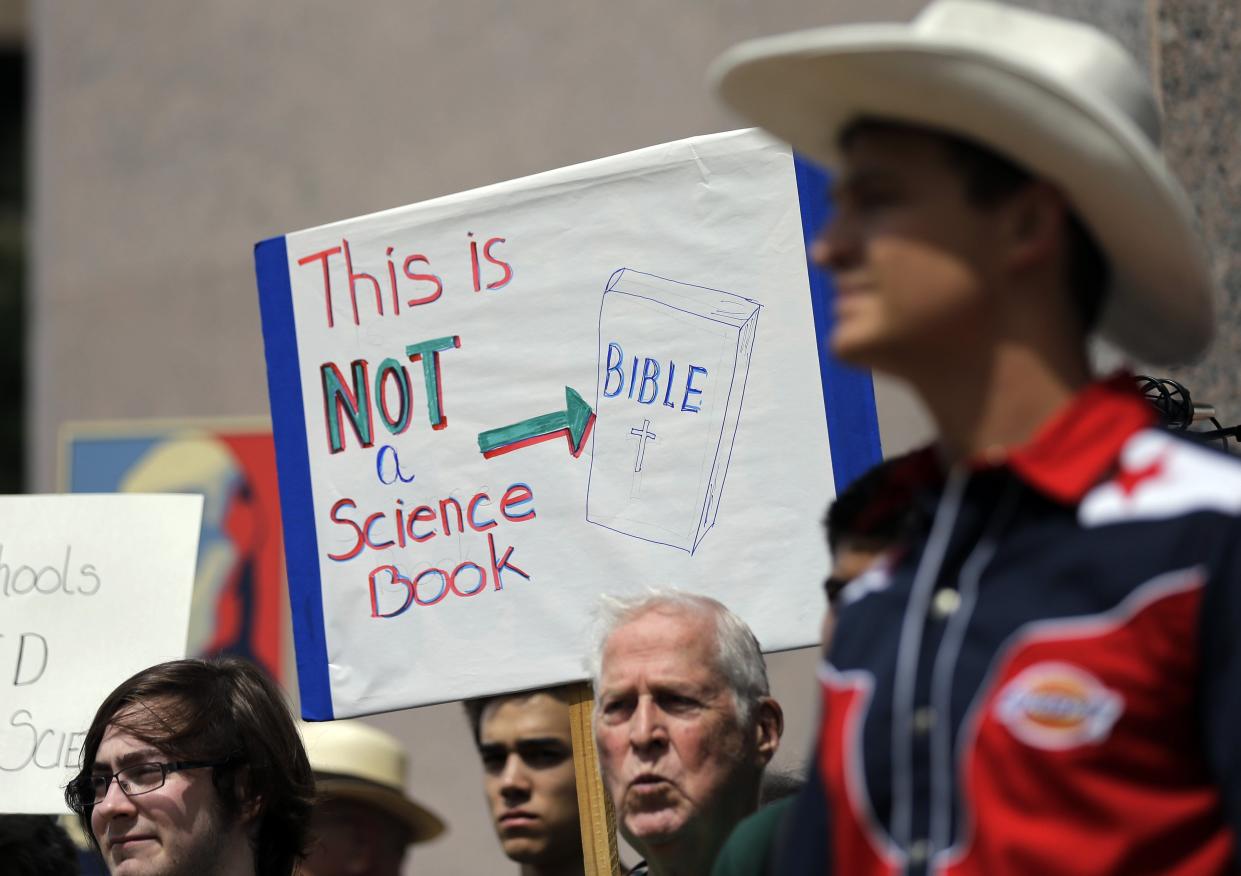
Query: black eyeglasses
[[141, 778]]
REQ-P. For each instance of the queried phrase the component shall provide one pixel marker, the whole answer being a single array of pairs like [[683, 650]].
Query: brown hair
[[228, 710], [991, 178], [474, 708]]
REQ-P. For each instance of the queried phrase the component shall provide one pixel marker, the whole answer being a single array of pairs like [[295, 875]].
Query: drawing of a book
[[673, 363]]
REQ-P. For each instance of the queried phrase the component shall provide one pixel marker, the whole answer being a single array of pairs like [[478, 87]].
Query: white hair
[[738, 656]]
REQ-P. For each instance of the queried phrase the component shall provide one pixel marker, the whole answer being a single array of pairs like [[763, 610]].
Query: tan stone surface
[[1199, 63]]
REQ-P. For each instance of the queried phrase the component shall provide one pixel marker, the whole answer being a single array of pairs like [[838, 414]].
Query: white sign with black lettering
[[93, 588]]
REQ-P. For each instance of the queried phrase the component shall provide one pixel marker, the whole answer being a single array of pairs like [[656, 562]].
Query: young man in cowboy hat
[[1044, 682], [363, 819]]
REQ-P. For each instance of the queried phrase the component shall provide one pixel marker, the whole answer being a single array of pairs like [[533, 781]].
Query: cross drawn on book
[[643, 433]]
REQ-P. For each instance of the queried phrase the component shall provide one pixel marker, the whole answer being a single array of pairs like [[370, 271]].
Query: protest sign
[[493, 407], [93, 588]]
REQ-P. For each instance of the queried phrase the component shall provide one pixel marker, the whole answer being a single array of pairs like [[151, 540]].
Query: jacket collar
[[1080, 446], [1070, 453]]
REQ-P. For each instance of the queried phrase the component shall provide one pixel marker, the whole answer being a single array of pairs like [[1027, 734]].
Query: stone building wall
[[1189, 49]]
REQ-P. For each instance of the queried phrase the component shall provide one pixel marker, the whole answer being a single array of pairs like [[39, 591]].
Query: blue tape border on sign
[[848, 394], [301, 549], [848, 400]]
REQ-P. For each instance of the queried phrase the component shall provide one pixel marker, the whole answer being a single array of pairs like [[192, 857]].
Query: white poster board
[[93, 588], [491, 408]]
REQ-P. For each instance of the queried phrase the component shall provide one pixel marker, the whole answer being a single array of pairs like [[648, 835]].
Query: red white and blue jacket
[[1048, 680]]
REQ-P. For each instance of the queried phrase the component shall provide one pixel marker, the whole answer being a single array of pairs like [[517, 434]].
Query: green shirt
[[748, 848]]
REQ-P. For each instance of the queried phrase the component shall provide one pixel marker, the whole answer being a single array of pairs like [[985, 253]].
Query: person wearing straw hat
[[1045, 680], [363, 819]]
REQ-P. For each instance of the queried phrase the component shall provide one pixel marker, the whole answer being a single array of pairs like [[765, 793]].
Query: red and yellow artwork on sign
[[238, 603]]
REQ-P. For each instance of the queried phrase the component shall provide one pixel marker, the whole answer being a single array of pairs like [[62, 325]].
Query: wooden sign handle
[[594, 806]]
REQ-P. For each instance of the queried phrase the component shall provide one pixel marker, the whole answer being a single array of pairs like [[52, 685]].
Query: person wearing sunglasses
[[867, 526], [195, 766]]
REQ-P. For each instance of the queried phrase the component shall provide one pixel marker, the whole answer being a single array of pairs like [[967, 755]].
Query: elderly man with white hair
[[685, 726]]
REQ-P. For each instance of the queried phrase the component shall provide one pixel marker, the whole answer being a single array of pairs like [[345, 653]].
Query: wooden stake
[[594, 806]]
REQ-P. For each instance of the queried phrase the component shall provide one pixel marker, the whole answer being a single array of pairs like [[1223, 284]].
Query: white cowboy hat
[[354, 761], [1059, 97]]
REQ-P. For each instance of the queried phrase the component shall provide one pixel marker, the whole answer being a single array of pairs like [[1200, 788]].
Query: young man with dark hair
[[866, 526], [874, 513], [526, 746], [195, 767], [1046, 681]]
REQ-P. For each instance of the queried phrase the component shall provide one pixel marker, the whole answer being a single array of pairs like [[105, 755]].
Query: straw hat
[[354, 761], [1059, 97]]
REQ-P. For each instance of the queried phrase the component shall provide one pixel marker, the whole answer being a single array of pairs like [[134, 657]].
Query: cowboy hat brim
[[807, 87], [421, 823]]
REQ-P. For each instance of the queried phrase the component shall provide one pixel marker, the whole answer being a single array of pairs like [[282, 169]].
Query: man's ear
[[249, 805], [251, 809], [1035, 222], [768, 728]]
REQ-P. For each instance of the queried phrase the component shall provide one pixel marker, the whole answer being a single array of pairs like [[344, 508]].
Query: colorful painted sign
[[92, 589], [239, 588], [493, 407]]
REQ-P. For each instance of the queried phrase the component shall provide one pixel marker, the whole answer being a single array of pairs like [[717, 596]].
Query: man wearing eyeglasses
[[195, 767]]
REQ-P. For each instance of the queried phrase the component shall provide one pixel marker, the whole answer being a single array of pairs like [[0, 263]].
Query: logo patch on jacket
[[1057, 706]]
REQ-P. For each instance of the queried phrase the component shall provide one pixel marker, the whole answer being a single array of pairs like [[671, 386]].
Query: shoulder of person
[[748, 847]]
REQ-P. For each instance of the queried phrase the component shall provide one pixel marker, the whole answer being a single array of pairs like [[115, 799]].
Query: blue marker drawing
[[643, 433], [673, 363]]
